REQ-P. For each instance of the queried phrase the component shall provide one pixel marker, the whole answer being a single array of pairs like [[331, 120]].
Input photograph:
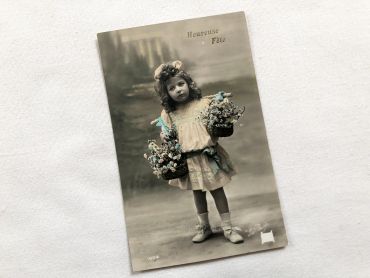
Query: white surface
[[61, 211]]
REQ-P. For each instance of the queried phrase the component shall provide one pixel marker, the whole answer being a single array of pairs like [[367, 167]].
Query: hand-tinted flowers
[[165, 157], [221, 113]]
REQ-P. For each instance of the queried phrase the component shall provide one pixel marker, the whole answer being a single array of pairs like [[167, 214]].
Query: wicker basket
[[221, 131], [181, 170]]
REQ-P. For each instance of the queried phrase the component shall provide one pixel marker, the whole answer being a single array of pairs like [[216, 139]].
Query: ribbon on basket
[[160, 123], [220, 96]]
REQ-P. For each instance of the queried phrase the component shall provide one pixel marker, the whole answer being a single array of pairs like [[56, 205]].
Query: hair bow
[[178, 65]]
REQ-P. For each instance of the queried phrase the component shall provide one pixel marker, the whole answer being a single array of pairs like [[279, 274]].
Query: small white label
[[267, 237]]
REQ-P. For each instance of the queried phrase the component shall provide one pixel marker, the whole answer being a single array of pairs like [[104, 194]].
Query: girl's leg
[[200, 201], [220, 200], [223, 209], [203, 229]]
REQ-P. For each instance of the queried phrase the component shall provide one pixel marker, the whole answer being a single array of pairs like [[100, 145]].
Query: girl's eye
[[181, 83], [171, 88]]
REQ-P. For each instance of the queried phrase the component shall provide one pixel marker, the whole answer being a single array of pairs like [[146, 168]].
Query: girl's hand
[[162, 137]]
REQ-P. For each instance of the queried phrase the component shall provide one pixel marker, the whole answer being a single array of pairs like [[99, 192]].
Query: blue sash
[[214, 159]]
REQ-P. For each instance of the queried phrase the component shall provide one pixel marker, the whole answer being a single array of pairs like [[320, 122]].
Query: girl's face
[[178, 89]]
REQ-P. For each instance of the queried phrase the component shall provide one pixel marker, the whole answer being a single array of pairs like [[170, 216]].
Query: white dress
[[204, 173]]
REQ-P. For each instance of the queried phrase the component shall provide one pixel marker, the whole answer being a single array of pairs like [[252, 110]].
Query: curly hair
[[160, 87]]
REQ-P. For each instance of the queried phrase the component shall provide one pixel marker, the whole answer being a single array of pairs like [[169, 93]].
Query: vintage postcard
[[194, 161]]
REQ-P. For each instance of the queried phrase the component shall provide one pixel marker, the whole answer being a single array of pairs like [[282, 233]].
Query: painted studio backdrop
[[160, 219]]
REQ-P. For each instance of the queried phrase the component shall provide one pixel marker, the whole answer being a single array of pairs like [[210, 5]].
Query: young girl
[[209, 165]]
